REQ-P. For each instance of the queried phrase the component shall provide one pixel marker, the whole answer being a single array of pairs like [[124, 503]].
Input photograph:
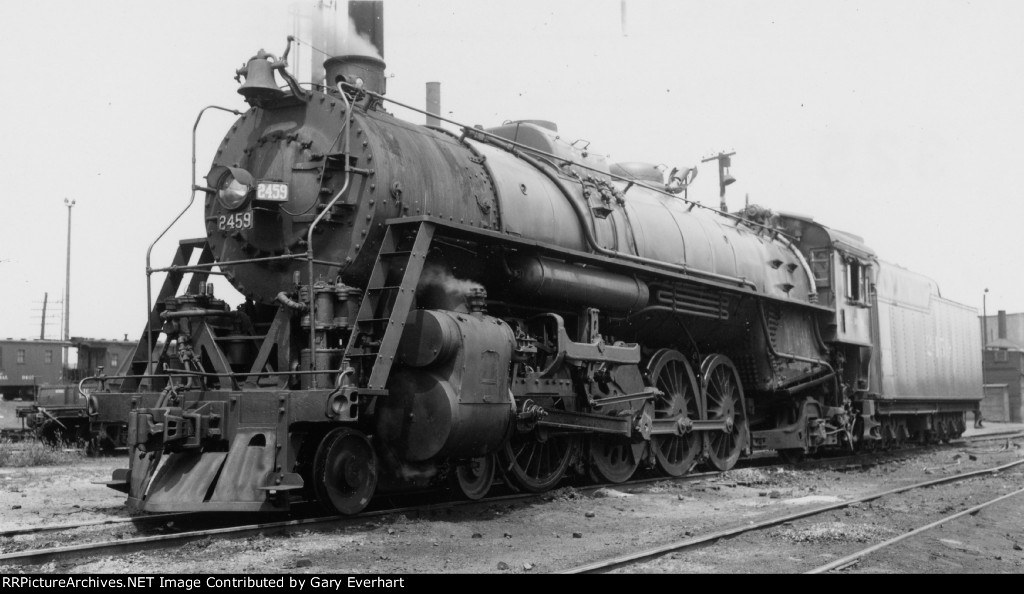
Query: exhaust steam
[[439, 289]]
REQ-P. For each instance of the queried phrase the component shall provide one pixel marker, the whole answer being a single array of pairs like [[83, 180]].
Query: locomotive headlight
[[233, 185], [232, 194]]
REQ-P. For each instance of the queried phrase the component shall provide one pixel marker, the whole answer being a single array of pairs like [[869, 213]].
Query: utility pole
[[42, 326], [724, 177], [984, 319], [67, 292]]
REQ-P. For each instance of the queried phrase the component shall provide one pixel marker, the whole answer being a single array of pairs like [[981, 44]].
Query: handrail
[[471, 131], [149, 252], [309, 236]]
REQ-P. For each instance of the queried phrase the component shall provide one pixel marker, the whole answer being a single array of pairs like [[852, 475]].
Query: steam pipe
[[149, 252], [309, 237], [283, 299]]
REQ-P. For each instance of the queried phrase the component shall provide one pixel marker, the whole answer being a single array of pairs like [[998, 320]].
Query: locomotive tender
[[427, 308]]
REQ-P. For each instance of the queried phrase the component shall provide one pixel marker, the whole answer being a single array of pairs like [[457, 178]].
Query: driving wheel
[[536, 460], [670, 373], [724, 396]]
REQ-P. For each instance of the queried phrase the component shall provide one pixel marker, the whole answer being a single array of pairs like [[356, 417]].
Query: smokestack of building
[[433, 103], [1002, 323]]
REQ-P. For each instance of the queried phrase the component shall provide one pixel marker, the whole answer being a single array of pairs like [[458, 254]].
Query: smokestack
[[368, 18], [433, 103], [359, 60], [1002, 323]]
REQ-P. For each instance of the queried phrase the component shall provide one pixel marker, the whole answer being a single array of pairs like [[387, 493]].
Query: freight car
[[25, 365], [34, 370], [425, 308], [58, 414]]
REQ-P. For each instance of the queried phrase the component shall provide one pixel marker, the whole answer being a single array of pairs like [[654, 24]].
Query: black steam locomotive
[[427, 308]]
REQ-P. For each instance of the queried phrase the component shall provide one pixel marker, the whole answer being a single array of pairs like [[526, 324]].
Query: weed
[[32, 452]]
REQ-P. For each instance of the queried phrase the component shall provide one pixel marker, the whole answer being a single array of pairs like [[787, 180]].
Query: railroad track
[[132, 545], [623, 561], [853, 558], [231, 528], [158, 519]]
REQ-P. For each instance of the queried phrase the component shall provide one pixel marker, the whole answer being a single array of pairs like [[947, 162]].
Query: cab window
[[821, 267], [857, 281]]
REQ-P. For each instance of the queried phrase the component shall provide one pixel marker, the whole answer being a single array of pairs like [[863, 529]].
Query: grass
[[32, 452]]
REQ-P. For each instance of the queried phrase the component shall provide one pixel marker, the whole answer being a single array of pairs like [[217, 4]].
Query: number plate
[[234, 221], [272, 191]]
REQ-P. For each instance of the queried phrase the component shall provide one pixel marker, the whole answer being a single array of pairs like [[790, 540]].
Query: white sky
[[898, 120]]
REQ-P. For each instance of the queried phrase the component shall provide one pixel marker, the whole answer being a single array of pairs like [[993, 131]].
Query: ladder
[[143, 357], [387, 301]]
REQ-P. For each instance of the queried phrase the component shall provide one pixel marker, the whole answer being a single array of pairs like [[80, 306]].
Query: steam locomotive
[[427, 308]]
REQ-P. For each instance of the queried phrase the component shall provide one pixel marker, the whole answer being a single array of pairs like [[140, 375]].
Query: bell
[[259, 82]]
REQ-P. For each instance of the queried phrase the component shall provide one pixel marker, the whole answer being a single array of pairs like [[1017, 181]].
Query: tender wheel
[[613, 459], [669, 371], [948, 430], [724, 396], [52, 434], [475, 476], [344, 471]]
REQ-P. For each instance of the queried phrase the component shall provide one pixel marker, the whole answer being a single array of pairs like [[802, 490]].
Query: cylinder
[[550, 280], [433, 103], [459, 403], [428, 338], [324, 305], [328, 359]]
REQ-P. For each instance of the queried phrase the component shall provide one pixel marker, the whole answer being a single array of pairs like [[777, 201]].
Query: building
[[1003, 370], [94, 353], [1013, 328], [28, 364]]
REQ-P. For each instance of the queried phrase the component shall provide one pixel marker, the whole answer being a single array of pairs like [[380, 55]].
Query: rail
[[850, 559], [691, 543]]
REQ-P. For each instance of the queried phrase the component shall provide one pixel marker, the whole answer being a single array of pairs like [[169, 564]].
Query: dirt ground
[[48, 495], [570, 526]]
